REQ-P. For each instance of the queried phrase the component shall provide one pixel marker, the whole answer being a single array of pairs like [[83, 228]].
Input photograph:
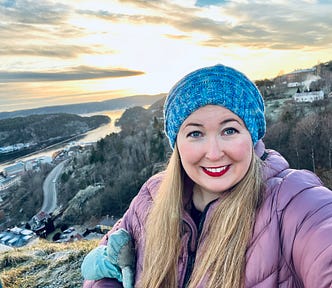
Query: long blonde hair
[[222, 256]]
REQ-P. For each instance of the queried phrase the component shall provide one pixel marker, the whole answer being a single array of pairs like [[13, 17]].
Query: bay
[[91, 136]]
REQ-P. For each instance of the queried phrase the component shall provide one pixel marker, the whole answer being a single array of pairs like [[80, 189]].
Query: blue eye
[[230, 131], [194, 134]]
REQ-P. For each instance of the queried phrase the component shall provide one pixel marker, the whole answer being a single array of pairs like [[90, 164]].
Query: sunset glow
[[62, 52]]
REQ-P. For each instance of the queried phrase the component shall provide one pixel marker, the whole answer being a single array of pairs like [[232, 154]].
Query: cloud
[[256, 24], [28, 95], [38, 28], [148, 12], [253, 25], [117, 17], [36, 38], [59, 51], [177, 37], [291, 25], [148, 4], [33, 12], [18, 33], [76, 73]]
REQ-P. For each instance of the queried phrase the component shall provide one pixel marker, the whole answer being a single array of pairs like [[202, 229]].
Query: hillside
[[44, 265], [115, 169]]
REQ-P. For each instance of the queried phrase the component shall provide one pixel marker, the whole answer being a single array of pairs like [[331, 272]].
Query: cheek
[[242, 151], [188, 154]]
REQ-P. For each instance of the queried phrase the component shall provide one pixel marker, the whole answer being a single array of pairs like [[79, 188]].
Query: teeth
[[216, 170]]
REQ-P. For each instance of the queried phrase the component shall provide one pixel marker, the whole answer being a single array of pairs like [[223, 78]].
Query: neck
[[202, 198]]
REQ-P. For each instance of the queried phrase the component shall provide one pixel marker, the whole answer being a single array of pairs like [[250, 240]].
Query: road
[[49, 189]]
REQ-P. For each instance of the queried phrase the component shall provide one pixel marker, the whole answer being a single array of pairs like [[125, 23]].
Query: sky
[[63, 52]]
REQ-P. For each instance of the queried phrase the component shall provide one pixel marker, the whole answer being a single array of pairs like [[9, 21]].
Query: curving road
[[49, 188]]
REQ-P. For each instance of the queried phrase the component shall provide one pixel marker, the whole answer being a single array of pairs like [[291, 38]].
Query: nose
[[214, 149]]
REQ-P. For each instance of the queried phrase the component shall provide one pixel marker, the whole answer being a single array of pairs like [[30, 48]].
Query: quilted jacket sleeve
[[132, 221], [103, 283], [306, 221]]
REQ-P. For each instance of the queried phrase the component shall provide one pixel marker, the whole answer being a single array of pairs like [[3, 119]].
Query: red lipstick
[[216, 171]]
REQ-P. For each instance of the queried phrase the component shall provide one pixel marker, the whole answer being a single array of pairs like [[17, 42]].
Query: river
[[91, 136]]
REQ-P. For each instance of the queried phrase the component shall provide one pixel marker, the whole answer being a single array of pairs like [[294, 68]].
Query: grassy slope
[[44, 264]]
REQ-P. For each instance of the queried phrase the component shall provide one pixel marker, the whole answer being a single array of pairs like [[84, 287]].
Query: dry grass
[[44, 264], [326, 177]]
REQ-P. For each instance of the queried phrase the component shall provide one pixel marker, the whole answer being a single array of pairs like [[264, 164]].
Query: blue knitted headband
[[216, 85]]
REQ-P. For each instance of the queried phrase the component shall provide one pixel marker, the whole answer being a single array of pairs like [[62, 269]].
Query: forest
[[303, 136]]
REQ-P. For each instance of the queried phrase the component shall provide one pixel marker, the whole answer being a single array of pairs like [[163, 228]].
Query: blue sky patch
[[8, 3], [202, 3]]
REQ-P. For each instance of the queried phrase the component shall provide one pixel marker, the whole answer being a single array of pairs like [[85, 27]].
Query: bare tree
[[327, 137], [308, 128]]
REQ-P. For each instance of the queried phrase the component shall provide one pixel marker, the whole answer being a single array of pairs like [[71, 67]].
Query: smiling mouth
[[216, 171]]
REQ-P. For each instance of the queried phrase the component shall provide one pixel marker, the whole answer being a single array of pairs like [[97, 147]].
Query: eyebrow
[[221, 123]]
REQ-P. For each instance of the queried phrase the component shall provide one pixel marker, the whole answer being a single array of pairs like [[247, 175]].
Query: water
[[101, 132], [91, 136]]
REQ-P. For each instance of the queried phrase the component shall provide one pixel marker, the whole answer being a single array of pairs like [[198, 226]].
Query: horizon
[[89, 102], [58, 53]]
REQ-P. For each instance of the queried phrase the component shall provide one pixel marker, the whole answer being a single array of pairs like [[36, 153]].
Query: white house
[[5, 183], [308, 96], [15, 169]]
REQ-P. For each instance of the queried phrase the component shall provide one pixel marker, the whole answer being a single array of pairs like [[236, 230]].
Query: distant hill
[[90, 107], [20, 136], [41, 129]]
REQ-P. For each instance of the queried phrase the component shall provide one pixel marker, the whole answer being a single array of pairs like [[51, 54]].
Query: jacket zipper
[[192, 254]]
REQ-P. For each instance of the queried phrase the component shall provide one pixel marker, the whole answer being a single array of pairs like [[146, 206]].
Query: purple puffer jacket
[[292, 239]]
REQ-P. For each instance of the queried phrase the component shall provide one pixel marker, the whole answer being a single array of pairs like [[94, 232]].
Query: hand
[[116, 260], [96, 265], [121, 253]]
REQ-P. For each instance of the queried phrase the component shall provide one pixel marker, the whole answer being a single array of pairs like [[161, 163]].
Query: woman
[[226, 212]]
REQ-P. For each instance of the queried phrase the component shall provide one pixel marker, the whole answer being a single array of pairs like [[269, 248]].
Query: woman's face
[[215, 149]]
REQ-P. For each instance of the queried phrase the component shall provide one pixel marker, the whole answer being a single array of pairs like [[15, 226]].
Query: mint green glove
[[116, 260], [96, 265]]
